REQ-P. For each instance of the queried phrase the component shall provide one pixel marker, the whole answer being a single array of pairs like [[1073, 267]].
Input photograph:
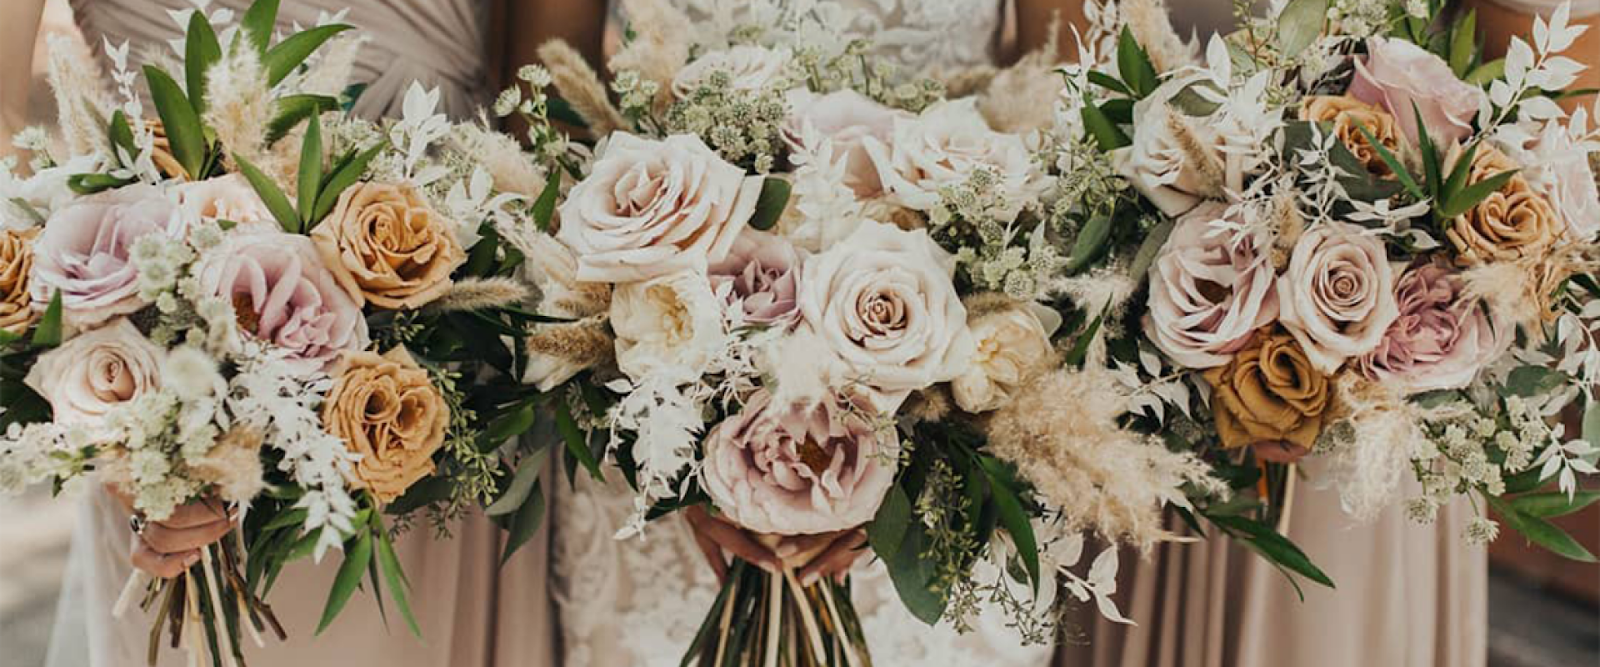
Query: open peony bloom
[[649, 208], [1442, 337], [1337, 296], [1208, 292], [1397, 74], [283, 294], [798, 470], [846, 118], [85, 252], [762, 276]]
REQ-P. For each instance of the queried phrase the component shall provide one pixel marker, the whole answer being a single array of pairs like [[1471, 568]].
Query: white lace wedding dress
[[638, 602]]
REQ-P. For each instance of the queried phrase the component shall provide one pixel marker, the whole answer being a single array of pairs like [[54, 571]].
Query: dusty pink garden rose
[[227, 198], [1397, 74], [798, 470], [85, 252], [762, 277], [846, 118], [1209, 291], [1442, 337], [653, 207], [1337, 295], [283, 294], [94, 372]]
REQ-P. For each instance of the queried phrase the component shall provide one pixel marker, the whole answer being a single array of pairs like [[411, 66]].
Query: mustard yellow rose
[[16, 261], [1348, 115], [1269, 392], [1512, 223], [389, 246], [389, 413]]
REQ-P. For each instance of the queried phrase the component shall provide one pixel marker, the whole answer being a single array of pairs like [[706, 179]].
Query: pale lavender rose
[[1397, 74], [761, 276], [282, 293], [1337, 296], [85, 252], [846, 118], [1209, 291], [94, 372], [649, 208], [798, 470], [1441, 339]]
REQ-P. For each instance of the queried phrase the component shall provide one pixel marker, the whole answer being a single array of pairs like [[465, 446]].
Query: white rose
[[883, 301], [1012, 341], [96, 371], [1175, 160], [749, 68], [227, 198], [649, 208], [671, 322], [942, 148], [1557, 167], [846, 118]]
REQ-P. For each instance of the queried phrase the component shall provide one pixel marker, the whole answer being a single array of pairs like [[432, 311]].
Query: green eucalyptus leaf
[[888, 527], [185, 134], [770, 203], [1299, 25]]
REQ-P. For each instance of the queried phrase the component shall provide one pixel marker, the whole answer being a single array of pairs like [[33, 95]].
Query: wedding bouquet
[[801, 288], [1352, 238], [253, 298]]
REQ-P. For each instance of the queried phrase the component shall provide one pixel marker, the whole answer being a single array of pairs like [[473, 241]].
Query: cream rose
[[16, 262], [1175, 160], [943, 147], [671, 322], [649, 208], [389, 246], [749, 68], [846, 118], [94, 372], [883, 301], [228, 198], [390, 416], [1337, 295], [1012, 341], [1209, 291]]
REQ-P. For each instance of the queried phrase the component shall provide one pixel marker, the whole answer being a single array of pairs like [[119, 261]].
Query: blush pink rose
[[94, 373], [1397, 74], [847, 118], [1208, 291], [798, 470], [761, 275], [84, 252], [1337, 295], [1442, 337], [283, 294], [228, 198]]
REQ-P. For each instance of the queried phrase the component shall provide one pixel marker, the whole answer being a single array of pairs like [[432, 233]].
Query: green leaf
[[295, 108], [1092, 238], [8, 337], [1300, 24], [577, 444], [281, 59], [271, 195], [310, 168], [1463, 44], [1015, 521], [1108, 82], [1488, 72], [1431, 163], [200, 52], [1533, 380], [358, 552], [1394, 163], [770, 203], [1149, 249], [185, 134], [389, 564], [426, 492], [888, 527], [544, 208], [1552, 504], [340, 179], [524, 523], [1540, 532], [506, 427], [910, 574], [1133, 64], [522, 484], [1105, 133], [561, 111], [122, 145], [1274, 547], [48, 331], [293, 517], [1080, 348], [1464, 201], [258, 22], [1457, 178]]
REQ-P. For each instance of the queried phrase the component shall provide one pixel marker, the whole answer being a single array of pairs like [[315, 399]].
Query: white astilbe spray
[[269, 395]]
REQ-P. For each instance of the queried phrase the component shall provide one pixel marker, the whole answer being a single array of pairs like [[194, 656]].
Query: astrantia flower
[[762, 277], [84, 252], [942, 148], [1209, 291], [673, 320], [1442, 337], [94, 372], [1337, 295], [794, 470]]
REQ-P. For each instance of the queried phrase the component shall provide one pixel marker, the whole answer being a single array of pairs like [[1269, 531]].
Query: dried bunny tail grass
[[1197, 155], [513, 170], [556, 352], [553, 269], [1062, 434], [1523, 291], [1107, 288], [233, 465], [238, 108], [967, 81], [80, 95], [469, 294], [581, 87], [1374, 436], [1023, 97], [660, 46], [1151, 27], [329, 74]]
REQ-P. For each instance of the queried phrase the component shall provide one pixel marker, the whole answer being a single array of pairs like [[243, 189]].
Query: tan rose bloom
[[1269, 392], [388, 412], [1512, 223], [389, 246], [161, 152], [16, 261], [1348, 115]]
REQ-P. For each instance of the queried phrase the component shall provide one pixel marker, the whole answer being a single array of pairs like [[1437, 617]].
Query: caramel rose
[[1513, 222], [1348, 115], [390, 415], [16, 261], [1269, 392], [389, 246]]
